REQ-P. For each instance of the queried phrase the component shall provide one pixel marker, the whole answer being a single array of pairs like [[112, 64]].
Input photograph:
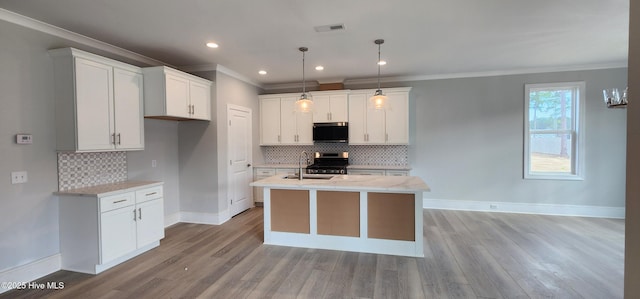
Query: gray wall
[[161, 144], [467, 140], [233, 91], [28, 212], [203, 178]]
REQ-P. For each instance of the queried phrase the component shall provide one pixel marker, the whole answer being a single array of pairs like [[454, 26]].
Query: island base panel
[[339, 213], [290, 211], [391, 216]]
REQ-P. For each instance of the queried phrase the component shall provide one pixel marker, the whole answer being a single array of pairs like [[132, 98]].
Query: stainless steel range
[[332, 163]]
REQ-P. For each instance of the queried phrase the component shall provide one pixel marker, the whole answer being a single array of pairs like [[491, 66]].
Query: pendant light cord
[[379, 65]]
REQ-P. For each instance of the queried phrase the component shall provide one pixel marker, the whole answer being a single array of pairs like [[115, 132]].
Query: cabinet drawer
[[287, 171], [366, 172], [148, 194], [117, 201], [397, 173], [265, 172]]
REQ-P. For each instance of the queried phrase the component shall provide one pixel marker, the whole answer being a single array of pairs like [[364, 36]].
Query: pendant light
[[378, 100], [304, 103]]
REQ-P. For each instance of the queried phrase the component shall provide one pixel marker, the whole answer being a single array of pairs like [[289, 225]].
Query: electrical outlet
[[493, 206], [19, 177]]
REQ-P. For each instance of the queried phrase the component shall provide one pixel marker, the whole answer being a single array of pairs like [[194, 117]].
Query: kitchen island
[[361, 213]]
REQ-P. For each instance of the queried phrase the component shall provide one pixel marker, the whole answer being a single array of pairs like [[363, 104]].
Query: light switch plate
[[19, 177]]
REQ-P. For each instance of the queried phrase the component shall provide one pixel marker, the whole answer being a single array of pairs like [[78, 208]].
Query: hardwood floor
[[467, 255]]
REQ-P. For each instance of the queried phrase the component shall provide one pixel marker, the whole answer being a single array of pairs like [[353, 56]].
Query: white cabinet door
[[357, 118], [269, 121], [330, 108], [295, 127], [117, 233], [200, 99], [288, 121], [397, 118], [94, 104], [150, 222], [177, 101], [321, 108], [375, 124], [304, 128], [339, 108], [128, 116]]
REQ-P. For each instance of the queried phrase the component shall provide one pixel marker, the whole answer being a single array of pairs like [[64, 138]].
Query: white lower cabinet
[[99, 232]]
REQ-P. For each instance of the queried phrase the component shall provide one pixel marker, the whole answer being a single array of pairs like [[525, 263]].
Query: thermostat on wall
[[24, 139]]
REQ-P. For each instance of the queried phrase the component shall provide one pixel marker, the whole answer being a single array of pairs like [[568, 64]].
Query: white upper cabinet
[[296, 127], [99, 103], [175, 95], [330, 106], [280, 124], [368, 125], [269, 120]]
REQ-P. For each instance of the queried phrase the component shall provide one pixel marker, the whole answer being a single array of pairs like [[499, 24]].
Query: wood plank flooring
[[467, 255]]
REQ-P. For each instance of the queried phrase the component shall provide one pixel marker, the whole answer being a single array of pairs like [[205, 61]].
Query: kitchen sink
[[310, 176]]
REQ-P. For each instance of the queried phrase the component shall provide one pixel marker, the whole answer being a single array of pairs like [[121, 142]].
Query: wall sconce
[[613, 99]]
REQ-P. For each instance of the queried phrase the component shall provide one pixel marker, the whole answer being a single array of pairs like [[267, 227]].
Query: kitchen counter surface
[[348, 182], [108, 189]]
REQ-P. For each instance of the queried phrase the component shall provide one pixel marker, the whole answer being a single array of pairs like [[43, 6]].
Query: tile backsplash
[[79, 170], [382, 155]]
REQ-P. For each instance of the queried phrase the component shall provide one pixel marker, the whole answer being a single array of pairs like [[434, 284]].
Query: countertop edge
[[404, 184], [352, 166], [113, 188]]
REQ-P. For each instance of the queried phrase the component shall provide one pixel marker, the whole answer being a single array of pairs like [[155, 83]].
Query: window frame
[[577, 132]]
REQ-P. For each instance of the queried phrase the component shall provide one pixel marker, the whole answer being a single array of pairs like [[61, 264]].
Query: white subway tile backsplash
[[79, 170]]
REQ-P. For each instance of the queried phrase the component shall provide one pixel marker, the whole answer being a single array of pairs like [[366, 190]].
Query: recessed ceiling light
[[382, 62], [262, 72], [212, 45], [319, 68]]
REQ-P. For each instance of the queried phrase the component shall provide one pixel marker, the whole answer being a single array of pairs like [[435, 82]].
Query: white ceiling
[[423, 38]]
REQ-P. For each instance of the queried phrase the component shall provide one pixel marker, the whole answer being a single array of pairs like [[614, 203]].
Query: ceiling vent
[[327, 28]]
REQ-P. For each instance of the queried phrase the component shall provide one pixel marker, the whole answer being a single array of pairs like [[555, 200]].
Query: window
[[553, 139]]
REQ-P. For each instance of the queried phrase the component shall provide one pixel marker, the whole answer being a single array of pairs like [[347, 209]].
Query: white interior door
[[239, 153]]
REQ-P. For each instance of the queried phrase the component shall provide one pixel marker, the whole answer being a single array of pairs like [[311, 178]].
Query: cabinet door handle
[[140, 213], [278, 138], [119, 201], [119, 139], [113, 138], [149, 194], [386, 137], [134, 214], [193, 109]]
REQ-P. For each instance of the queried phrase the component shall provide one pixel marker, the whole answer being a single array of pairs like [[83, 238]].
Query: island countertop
[[348, 182]]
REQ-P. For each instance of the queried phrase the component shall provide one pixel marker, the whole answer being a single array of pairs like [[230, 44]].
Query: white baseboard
[[14, 277], [204, 218], [525, 208], [172, 219]]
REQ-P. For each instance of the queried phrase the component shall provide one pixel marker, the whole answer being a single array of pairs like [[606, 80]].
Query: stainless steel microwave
[[331, 132]]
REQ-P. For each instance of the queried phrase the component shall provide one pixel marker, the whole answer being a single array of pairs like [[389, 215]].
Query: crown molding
[[489, 73], [220, 68], [43, 27]]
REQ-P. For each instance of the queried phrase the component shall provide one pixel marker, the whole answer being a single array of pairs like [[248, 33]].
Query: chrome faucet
[[300, 163]]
